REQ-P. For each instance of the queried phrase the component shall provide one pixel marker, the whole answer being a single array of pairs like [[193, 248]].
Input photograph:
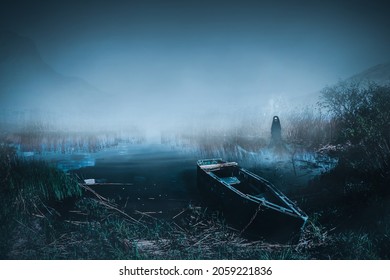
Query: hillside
[[29, 84], [379, 74]]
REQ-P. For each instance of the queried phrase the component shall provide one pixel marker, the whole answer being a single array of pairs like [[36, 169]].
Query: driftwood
[[146, 214], [104, 201], [177, 215]]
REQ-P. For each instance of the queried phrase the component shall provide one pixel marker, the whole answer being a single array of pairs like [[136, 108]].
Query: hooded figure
[[276, 130]]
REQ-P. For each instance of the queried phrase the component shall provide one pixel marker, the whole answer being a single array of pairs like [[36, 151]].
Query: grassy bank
[[49, 215]]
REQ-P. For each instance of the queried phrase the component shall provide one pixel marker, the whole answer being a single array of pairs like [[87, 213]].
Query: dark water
[[160, 179], [157, 179]]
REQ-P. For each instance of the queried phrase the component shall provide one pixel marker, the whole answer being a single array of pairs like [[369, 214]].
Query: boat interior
[[246, 183]]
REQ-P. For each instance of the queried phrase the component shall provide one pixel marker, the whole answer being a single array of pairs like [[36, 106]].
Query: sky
[[227, 52]]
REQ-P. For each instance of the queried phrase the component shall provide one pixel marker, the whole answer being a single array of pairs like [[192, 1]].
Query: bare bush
[[362, 115]]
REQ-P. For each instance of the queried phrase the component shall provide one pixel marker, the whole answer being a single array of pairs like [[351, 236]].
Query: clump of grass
[[96, 231], [29, 189], [25, 184], [354, 245]]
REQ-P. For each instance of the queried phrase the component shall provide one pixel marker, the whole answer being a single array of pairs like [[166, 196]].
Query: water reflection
[[75, 163]]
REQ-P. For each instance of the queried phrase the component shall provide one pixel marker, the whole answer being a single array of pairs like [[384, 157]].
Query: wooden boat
[[249, 201]]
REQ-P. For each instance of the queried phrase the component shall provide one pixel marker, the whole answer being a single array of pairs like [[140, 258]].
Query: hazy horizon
[[169, 61]]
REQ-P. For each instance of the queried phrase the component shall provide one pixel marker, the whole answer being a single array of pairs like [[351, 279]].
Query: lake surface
[[157, 179], [160, 179]]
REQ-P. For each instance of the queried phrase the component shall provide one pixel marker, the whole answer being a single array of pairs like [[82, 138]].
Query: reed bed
[[39, 138]]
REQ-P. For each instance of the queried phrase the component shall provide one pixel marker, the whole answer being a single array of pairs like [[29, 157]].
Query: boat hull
[[247, 213]]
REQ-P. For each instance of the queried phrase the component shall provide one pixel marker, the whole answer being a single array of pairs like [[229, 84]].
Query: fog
[[162, 65]]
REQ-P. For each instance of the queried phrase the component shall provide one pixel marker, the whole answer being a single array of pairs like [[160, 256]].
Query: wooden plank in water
[[110, 184]]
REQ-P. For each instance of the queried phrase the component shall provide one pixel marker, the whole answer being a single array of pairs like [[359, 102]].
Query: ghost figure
[[276, 130]]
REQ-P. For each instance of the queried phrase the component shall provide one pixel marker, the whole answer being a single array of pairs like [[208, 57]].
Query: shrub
[[362, 115]]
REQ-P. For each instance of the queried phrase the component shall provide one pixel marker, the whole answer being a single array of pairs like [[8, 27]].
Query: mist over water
[[173, 66]]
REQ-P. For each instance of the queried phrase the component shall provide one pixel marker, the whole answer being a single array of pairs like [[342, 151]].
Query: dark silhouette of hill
[[379, 74], [28, 83]]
